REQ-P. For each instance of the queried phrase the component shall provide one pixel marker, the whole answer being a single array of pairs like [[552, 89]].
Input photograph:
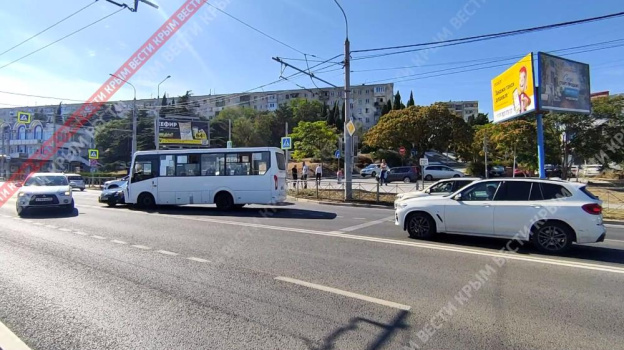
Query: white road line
[[614, 240], [80, 233], [166, 252], [141, 247], [366, 224], [198, 259], [613, 226], [97, 237], [38, 224], [10, 341], [118, 241], [425, 245], [345, 293], [51, 226], [65, 229]]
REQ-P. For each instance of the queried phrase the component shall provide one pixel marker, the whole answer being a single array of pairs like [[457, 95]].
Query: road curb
[[340, 204], [613, 222]]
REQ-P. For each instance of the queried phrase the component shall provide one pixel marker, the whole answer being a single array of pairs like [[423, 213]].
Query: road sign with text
[[424, 161]]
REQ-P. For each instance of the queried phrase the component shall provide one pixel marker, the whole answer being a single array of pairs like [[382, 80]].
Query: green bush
[[476, 169], [392, 157]]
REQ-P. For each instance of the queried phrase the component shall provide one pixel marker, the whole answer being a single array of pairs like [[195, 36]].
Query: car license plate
[[43, 199]]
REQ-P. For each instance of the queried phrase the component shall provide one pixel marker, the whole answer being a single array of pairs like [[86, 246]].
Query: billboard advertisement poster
[[173, 132], [564, 85], [513, 91]]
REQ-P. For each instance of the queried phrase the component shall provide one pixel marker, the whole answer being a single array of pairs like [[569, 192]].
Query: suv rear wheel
[[552, 238]]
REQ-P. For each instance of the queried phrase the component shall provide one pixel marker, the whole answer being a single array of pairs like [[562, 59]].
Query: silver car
[[45, 191], [115, 183], [76, 181], [371, 170]]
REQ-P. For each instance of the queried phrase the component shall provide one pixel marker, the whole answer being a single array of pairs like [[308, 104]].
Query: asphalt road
[[303, 276]]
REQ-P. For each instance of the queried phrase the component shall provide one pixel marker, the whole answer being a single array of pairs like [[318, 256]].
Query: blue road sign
[[337, 154], [286, 143]]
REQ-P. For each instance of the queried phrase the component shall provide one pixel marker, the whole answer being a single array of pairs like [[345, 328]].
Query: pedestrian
[[339, 175], [319, 173], [384, 170], [304, 175], [294, 175]]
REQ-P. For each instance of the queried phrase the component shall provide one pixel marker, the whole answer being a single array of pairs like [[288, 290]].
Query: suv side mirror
[[457, 197]]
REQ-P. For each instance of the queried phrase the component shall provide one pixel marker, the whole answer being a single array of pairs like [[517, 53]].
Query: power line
[[48, 28], [65, 37], [425, 75], [38, 96], [483, 37], [256, 29]]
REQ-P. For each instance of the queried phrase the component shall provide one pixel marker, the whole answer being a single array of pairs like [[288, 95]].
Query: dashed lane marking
[[51, 226], [141, 246], [80, 233], [98, 237], [198, 259], [166, 252], [344, 293], [118, 241], [65, 229]]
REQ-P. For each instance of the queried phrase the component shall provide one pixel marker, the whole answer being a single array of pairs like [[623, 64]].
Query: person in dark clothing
[[294, 176]]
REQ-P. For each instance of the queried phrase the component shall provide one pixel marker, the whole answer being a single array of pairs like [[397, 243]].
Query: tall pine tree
[[410, 102], [397, 104]]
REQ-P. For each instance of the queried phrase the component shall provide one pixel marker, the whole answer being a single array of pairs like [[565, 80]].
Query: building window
[[360, 101], [367, 120], [367, 91], [366, 110], [367, 101], [351, 105], [380, 89], [332, 93], [21, 132]]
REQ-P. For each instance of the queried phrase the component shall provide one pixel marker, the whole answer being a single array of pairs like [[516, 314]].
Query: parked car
[[406, 174], [115, 183], [555, 213], [113, 196], [44, 191], [496, 170], [371, 170], [591, 169], [434, 172], [76, 181], [440, 188]]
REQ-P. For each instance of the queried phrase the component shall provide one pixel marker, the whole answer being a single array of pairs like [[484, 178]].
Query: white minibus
[[227, 177]]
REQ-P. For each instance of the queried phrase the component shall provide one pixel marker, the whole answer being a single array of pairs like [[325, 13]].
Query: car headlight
[[67, 193], [21, 194]]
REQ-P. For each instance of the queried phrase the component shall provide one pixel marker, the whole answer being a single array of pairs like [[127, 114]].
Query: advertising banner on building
[[564, 85], [513, 91], [175, 132]]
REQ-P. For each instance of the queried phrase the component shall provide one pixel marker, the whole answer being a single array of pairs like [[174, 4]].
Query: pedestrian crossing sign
[[94, 154], [23, 117], [286, 143]]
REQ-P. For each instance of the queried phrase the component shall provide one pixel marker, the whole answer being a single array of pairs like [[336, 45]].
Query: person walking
[[294, 175], [304, 174], [319, 173], [383, 175], [339, 175]]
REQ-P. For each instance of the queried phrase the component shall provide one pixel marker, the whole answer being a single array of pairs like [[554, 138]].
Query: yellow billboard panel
[[513, 92]]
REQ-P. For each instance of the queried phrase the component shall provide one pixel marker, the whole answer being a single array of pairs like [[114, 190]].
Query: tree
[[480, 119], [423, 128], [314, 139], [114, 138], [306, 111], [386, 108], [397, 104], [410, 102]]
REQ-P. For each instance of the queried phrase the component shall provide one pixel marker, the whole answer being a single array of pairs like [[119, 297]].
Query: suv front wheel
[[552, 238]]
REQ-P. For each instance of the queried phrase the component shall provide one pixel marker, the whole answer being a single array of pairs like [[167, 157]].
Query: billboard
[[513, 91], [564, 85], [175, 132]]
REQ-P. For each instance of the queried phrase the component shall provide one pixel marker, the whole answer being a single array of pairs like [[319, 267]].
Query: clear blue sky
[[228, 57]]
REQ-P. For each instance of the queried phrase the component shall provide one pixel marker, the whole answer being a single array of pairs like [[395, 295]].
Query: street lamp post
[[157, 120], [134, 117], [348, 144]]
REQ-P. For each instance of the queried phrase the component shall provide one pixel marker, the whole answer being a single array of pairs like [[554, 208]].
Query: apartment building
[[464, 109]]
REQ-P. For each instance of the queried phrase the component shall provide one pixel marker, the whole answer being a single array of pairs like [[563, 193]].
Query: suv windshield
[[52, 180]]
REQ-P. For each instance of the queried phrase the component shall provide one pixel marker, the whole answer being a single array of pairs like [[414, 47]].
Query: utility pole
[[134, 117], [347, 117], [157, 119], [485, 151], [287, 151]]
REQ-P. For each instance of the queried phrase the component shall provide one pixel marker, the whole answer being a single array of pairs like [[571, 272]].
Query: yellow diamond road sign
[[350, 127], [94, 154]]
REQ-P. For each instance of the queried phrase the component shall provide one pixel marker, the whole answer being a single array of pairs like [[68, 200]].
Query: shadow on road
[[252, 212], [388, 330], [597, 252]]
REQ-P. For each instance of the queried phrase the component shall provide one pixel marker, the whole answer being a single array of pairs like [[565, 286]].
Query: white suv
[[43, 191], [552, 214]]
